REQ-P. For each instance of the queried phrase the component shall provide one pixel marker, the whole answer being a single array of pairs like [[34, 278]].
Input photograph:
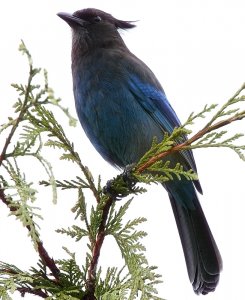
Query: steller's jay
[[122, 107]]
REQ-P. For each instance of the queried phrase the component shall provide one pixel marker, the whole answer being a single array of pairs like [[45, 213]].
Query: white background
[[196, 49]]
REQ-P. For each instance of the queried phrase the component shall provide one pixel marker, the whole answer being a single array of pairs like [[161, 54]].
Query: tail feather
[[202, 256]]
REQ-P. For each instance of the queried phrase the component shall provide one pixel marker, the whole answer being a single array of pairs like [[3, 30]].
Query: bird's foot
[[121, 186]]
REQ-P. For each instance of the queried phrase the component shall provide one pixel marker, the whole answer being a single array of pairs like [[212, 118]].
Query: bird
[[122, 107]]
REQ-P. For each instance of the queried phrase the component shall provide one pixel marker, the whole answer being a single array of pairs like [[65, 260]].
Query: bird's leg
[[128, 178]]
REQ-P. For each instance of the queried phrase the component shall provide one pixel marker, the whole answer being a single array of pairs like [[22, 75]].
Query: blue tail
[[202, 256]]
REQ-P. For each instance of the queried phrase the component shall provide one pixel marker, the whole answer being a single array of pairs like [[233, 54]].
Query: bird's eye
[[97, 19]]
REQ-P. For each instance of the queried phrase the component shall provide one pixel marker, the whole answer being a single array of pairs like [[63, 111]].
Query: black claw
[[109, 189]]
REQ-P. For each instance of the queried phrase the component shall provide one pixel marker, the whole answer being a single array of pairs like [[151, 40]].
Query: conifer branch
[[32, 73], [171, 147], [6, 200]]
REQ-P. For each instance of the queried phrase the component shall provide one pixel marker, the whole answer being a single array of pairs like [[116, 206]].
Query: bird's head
[[95, 28]]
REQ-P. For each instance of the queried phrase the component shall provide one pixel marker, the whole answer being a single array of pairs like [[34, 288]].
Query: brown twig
[[36, 292], [97, 248], [48, 261], [187, 143]]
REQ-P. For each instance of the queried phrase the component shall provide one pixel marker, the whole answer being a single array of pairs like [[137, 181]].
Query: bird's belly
[[119, 129]]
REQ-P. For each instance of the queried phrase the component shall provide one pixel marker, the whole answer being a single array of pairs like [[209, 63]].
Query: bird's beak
[[70, 19]]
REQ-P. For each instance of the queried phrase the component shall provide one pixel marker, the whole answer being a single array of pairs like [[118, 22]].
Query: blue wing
[[155, 103]]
